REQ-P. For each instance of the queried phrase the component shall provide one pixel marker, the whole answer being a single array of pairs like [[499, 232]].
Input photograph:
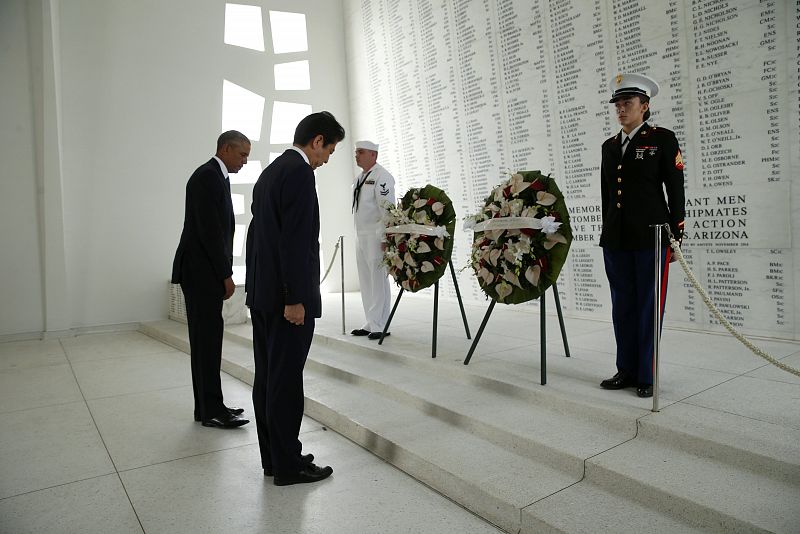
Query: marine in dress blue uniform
[[641, 185]]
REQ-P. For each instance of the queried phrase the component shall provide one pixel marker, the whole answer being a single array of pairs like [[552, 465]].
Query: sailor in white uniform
[[373, 189]]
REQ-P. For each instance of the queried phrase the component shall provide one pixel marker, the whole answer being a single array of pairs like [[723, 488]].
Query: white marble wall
[[459, 92]]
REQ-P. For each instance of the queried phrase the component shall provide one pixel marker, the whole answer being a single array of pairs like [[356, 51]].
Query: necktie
[[625, 144], [357, 192]]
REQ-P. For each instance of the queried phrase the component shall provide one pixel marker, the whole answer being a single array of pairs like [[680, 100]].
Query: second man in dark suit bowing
[[283, 294]]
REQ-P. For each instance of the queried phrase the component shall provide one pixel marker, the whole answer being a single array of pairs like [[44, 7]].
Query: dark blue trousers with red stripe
[[631, 277]]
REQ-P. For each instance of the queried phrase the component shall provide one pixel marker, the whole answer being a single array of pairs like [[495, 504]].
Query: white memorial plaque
[[459, 93]]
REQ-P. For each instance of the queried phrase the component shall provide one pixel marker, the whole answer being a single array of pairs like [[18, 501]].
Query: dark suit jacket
[[283, 238], [632, 189], [208, 225]]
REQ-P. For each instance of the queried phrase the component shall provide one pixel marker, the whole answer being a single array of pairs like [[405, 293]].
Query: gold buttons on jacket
[[619, 167], [619, 192], [619, 180]]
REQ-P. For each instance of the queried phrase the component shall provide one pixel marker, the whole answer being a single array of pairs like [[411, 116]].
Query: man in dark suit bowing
[[283, 294], [203, 268]]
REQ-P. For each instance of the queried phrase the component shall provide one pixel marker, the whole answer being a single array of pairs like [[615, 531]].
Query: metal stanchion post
[[656, 313], [341, 252]]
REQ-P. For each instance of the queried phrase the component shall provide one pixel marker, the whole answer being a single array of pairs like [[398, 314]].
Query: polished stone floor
[[97, 432], [97, 436]]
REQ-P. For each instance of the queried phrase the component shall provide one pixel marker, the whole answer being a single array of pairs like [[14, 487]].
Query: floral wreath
[[418, 239], [522, 237]]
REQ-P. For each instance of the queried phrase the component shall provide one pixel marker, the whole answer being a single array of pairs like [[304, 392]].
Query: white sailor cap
[[367, 145], [623, 85]]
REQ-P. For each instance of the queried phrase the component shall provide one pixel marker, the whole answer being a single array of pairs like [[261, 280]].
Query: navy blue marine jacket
[[283, 239], [633, 185], [208, 224]]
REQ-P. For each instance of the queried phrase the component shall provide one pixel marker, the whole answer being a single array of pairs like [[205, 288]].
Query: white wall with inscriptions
[[460, 92]]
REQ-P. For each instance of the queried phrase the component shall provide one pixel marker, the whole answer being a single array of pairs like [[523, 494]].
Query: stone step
[[741, 442], [490, 480], [172, 333], [502, 381], [705, 490], [535, 430], [586, 508], [542, 459], [712, 461], [689, 469]]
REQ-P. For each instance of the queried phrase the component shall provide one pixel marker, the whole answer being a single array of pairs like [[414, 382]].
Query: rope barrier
[[721, 318], [328, 270]]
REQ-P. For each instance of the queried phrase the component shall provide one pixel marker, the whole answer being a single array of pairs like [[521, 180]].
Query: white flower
[[503, 289], [532, 274], [518, 184], [423, 247], [549, 225], [553, 239], [408, 259], [486, 275], [545, 199], [494, 235], [505, 208], [437, 208], [426, 267], [516, 206], [515, 252], [421, 202], [439, 243], [441, 233], [511, 277]]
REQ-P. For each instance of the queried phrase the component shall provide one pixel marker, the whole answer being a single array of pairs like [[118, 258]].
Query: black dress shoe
[[644, 390], [377, 335], [305, 459], [308, 474], [360, 332], [225, 421], [232, 411], [618, 381]]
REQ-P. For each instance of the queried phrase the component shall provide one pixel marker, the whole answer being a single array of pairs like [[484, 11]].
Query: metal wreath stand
[[542, 330], [435, 310]]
